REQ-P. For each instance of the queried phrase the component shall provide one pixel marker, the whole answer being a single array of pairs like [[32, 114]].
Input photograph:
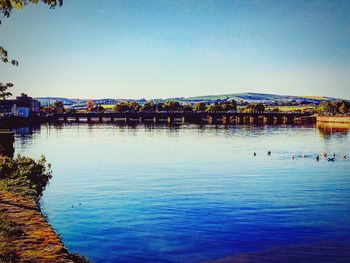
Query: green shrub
[[25, 175]]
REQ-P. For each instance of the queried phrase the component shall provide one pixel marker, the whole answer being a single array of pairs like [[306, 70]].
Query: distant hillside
[[260, 97], [248, 97], [46, 101]]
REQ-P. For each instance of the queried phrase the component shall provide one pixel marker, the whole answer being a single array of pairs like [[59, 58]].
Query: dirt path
[[39, 242]]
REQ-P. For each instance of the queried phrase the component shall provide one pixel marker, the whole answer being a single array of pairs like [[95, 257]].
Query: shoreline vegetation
[[327, 111], [25, 234]]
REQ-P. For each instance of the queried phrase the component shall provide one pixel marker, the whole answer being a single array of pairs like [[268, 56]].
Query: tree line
[[335, 107], [152, 106]]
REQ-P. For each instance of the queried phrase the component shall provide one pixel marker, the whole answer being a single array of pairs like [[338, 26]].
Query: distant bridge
[[184, 117]]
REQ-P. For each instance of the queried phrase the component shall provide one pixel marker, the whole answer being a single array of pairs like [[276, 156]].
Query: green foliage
[[134, 106], [259, 107], [25, 175], [149, 106], [226, 106], [172, 105], [276, 110], [58, 107], [341, 107], [187, 107], [160, 106], [4, 56], [230, 105], [3, 90], [214, 107], [121, 106], [6, 6], [326, 106], [200, 106]]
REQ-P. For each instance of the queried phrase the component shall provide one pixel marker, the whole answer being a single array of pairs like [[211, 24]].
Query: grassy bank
[[25, 234]]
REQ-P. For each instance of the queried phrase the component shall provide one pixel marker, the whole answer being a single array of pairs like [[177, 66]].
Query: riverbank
[[334, 119], [25, 234], [31, 238]]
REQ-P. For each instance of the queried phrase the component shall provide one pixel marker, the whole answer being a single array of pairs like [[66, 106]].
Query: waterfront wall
[[38, 242], [334, 119]]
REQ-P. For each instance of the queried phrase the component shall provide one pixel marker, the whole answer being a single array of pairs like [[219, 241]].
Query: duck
[[269, 153], [324, 154], [343, 157], [317, 157], [254, 153], [331, 159], [292, 157]]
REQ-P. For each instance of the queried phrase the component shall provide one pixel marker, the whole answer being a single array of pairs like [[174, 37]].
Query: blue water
[[191, 193]]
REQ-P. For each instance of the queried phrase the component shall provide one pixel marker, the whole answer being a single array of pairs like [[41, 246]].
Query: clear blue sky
[[167, 48]]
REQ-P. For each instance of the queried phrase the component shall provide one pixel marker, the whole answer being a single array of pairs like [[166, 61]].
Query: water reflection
[[188, 193], [325, 130], [328, 129]]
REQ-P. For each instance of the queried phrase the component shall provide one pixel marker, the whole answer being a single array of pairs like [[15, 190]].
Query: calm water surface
[[190, 193]]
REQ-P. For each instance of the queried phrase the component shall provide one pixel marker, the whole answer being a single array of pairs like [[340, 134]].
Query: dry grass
[[25, 234]]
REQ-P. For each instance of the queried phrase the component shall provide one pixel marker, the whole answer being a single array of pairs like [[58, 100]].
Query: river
[[191, 193]]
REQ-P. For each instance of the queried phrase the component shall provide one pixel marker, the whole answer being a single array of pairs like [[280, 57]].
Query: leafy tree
[[276, 110], [4, 57], [213, 107], [200, 106], [99, 108], [326, 107], [148, 106], [3, 90], [58, 107], [6, 8], [46, 110], [341, 106], [172, 105], [230, 105], [160, 106], [250, 108], [90, 105], [260, 107], [25, 175], [121, 106], [134, 106], [187, 107]]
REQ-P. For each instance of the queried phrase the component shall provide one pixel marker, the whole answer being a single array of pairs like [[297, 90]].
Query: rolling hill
[[248, 97]]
